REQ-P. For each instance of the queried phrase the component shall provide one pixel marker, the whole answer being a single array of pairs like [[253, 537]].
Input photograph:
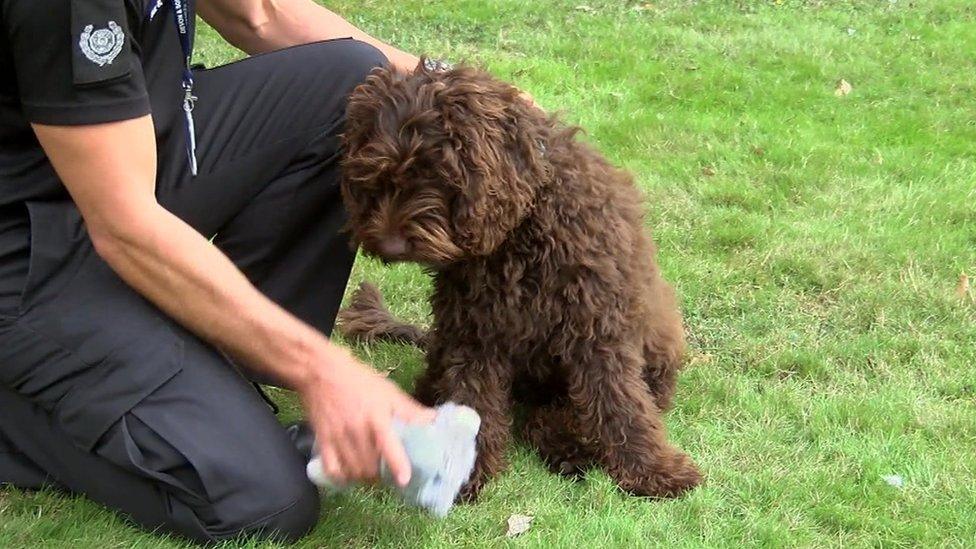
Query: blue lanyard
[[181, 15]]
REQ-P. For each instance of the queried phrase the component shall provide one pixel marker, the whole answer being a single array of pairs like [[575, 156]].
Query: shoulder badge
[[102, 46]]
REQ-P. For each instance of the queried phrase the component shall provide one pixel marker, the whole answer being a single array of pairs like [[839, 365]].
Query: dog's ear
[[498, 139], [487, 210], [369, 138], [365, 103]]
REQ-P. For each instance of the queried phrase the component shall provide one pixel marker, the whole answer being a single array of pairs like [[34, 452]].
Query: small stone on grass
[[518, 524], [894, 480]]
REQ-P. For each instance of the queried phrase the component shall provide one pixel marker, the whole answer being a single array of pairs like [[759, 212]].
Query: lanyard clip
[[189, 100]]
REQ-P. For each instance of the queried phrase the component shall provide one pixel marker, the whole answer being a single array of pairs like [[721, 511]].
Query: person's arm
[[349, 405], [257, 26]]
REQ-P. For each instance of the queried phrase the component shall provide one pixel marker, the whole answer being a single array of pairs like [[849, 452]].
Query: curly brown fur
[[367, 319], [545, 279]]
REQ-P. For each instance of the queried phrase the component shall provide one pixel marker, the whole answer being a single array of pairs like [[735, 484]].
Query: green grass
[[815, 241]]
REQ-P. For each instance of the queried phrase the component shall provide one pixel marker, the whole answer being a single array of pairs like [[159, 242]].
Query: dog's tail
[[367, 319]]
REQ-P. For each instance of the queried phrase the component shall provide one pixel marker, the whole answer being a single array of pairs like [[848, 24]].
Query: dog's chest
[[506, 301]]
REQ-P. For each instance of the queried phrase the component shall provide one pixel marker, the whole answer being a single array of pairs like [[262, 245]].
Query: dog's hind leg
[[552, 431], [616, 412], [664, 342], [367, 319]]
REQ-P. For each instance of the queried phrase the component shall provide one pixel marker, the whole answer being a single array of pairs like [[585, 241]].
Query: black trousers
[[104, 395]]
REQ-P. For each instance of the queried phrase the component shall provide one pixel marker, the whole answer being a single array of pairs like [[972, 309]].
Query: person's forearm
[[261, 26], [191, 280]]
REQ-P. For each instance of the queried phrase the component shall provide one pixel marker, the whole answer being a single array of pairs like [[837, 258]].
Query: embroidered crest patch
[[102, 46]]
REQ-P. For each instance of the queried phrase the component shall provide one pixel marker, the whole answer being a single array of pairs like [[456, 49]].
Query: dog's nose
[[393, 246]]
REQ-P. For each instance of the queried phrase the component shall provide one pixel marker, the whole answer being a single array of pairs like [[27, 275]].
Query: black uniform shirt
[[74, 62]]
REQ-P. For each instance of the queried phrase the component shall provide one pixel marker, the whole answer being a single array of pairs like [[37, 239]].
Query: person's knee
[[281, 509], [361, 58], [293, 521]]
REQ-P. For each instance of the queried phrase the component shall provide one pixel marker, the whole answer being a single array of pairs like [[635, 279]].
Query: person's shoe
[[304, 439]]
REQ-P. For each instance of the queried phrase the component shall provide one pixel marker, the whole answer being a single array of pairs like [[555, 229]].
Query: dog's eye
[[363, 198]]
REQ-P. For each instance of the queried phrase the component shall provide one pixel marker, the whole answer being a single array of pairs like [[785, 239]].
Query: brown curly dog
[[546, 291]]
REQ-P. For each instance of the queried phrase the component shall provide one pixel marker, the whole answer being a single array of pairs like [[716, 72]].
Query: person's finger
[[331, 466], [363, 453], [357, 452], [393, 453], [347, 460]]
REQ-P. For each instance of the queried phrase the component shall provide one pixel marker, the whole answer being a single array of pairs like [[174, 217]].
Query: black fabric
[[17, 469], [101, 387]]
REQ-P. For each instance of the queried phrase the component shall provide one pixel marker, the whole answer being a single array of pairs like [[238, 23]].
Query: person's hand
[[351, 409]]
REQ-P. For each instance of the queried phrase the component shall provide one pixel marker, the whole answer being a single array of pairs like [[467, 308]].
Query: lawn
[[816, 239]]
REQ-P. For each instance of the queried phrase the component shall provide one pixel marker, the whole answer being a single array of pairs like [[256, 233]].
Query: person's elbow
[[109, 246], [117, 236], [247, 25]]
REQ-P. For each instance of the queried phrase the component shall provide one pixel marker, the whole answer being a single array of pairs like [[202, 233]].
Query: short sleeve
[[74, 61]]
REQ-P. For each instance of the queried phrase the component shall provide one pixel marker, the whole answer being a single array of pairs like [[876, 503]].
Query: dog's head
[[440, 166]]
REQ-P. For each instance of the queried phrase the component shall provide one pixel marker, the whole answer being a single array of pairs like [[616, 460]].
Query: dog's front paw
[[470, 491], [479, 479], [426, 393], [566, 461], [670, 477], [571, 469]]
